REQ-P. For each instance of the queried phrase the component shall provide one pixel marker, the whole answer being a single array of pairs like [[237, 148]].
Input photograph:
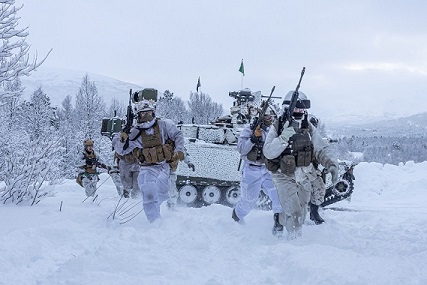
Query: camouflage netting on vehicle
[[212, 161]]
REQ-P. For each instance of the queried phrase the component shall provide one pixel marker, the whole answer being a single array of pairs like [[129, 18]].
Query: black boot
[[234, 216], [277, 227], [314, 214], [125, 193]]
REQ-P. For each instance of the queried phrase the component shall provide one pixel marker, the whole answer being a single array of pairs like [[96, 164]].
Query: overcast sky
[[362, 57]]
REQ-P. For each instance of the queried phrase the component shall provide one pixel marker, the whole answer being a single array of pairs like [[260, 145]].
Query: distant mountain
[[411, 126], [58, 83]]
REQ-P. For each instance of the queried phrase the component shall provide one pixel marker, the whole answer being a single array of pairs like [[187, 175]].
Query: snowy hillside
[[411, 126], [378, 238], [58, 83]]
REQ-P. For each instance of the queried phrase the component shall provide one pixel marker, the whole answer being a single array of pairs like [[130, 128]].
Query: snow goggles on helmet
[[301, 104]]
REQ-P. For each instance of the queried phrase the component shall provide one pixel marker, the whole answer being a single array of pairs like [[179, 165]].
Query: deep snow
[[380, 237]]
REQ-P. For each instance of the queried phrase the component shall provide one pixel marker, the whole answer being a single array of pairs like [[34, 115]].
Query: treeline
[[43, 143], [391, 150]]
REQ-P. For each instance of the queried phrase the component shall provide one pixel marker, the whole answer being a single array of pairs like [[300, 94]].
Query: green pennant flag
[[198, 85], [242, 68]]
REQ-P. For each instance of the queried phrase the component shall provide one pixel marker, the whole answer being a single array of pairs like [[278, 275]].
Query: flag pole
[[242, 70]]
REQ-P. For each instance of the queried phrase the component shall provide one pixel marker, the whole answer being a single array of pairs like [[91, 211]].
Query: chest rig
[[256, 154], [154, 151], [298, 153], [90, 162]]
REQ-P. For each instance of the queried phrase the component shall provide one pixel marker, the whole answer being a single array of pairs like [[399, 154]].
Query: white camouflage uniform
[[153, 180], [128, 166], [295, 190], [254, 176]]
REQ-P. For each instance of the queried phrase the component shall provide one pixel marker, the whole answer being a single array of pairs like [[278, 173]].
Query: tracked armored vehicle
[[212, 149]]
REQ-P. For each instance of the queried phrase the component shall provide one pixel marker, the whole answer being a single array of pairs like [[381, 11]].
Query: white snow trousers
[[129, 176], [253, 178], [89, 184], [294, 194], [153, 181], [173, 191]]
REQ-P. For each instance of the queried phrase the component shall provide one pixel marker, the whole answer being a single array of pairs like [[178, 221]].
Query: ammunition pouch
[[91, 170], [137, 154], [287, 164], [272, 164], [256, 154], [303, 158], [300, 154], [156, 154], [302, 149], [129, 158]]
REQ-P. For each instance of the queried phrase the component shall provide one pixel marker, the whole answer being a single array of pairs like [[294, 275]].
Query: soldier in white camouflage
[[255, 174], [128, 167], [88, 179], [150, 136], [291, 150]]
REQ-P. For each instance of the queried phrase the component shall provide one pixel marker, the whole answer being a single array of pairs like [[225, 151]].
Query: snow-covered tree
[[116, 108], [66, 128], [202, 109], [89, 110], [88, 114], [33, 155], [171, 107], [23, 162], [14, 50]]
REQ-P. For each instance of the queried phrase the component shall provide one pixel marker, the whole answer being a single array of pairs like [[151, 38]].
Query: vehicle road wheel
[[232, 195], [211, 194], [341, 188], [188, 194]]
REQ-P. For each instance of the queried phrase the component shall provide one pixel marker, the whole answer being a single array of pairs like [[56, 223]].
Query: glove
[[288, 131], [257, 135], [333, 170], [258, 132], [178, 155], [123, 137], [255, 139], [190, 165]]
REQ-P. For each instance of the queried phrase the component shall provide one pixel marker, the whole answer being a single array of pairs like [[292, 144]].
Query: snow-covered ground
[[378, 238]]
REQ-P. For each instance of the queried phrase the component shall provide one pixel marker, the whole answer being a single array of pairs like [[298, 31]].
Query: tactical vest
[[256, 154], [299, 153], [89, 167], [154, 151]]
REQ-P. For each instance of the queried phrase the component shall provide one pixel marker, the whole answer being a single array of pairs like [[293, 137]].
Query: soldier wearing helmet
[[291, 148], [254, 172], [89, 177], [156, 144]]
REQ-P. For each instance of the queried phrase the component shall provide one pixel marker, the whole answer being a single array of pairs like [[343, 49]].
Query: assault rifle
[[129, 119], [287, 113], [258, 120]]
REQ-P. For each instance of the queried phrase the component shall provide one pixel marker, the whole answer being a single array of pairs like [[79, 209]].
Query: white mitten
[[288, 131]]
